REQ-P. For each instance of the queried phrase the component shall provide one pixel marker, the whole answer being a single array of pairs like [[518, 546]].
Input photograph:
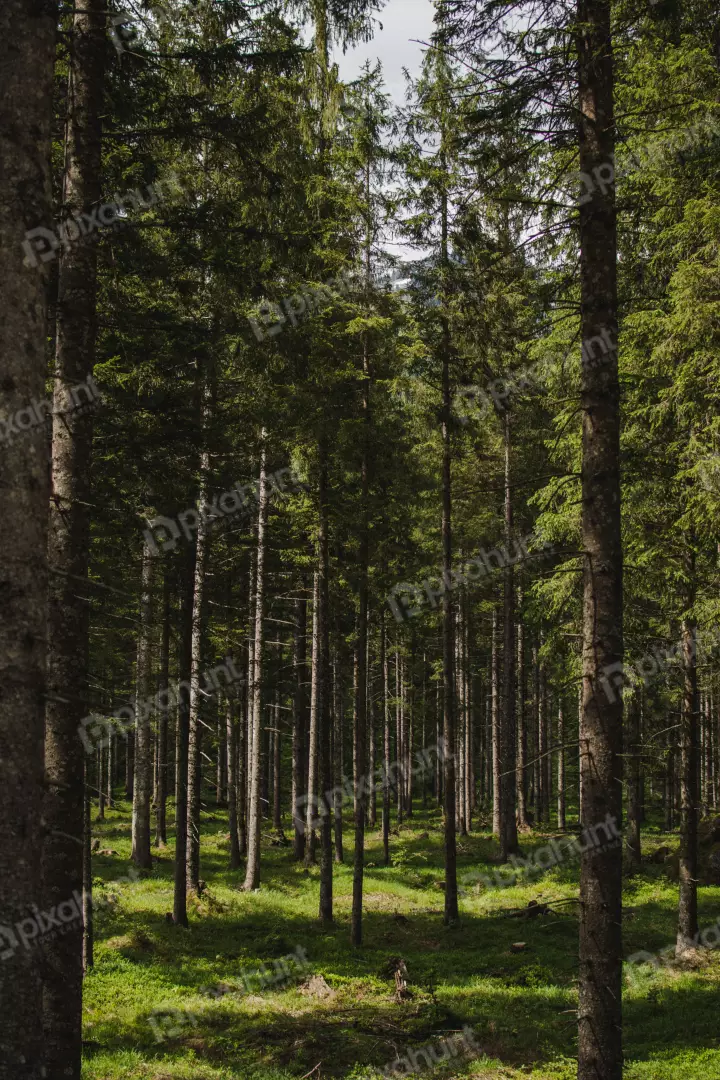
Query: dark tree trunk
[[495, 719], [142, 793], [277, 758], [252, 871], [241, 786], [87, 915], [183, 740], [69, 540], [130, 765], [337, 759], [561, 769], [600, 1011], [299, 738]]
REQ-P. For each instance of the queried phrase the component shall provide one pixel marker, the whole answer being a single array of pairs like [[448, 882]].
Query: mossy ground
[[520, 1005]]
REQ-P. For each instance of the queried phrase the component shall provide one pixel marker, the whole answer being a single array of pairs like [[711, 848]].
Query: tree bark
[[386, 742], [323, 689], [522, 755], [561, 769], [252, 871], [600, 1012], [69, 539], [142, 791], [508, 822], [495, 719], [337, 759], [312, 783]]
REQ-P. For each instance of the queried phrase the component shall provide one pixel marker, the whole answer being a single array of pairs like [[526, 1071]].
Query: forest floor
[[149, 1011]]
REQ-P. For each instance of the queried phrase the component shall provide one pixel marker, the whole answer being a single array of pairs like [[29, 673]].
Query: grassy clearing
[[148, 1014]]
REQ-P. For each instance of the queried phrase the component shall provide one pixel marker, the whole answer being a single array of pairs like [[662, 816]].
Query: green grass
[[520, 1005]]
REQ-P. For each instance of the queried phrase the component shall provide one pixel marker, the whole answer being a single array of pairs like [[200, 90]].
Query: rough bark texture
[[74, 397], [252, 870], [600, 1014]]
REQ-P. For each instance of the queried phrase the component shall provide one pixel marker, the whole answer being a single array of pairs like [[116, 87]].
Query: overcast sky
[[402, 21]]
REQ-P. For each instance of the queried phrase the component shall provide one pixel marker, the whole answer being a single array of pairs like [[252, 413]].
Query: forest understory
[[150, 1012]]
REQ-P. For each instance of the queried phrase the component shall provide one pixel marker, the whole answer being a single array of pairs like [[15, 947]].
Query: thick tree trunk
[[633, 779], [688, 866], [232, 781], [600, 1004], [69, 540], [27, 56], [299, 737], [183, 740], [162, 738], [252, 871], [142, 793], [508, 822]]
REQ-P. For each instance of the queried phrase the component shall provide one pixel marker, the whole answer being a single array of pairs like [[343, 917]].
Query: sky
[[402, 21]]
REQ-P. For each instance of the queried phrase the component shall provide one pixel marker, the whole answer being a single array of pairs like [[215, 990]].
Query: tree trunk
[[69, 540], [496, 783], [600, 1012], [386, 742], [277, 757], [183, 740], [252, 871], [162, 741], [561, 769], [337, 760], [299, 765], [241, 786], [323, 691], [688, 866], [87, 917], [232, 781], [522, 756], [195, 740], [633, 779], [312, 783], [508, 822], [142, 792]]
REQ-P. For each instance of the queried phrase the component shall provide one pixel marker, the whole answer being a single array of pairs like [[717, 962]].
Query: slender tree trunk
[[142, 793], [87, 916], [99, 763], [195, 743], [252, 872], [130, 765], [277, 758], [299, 766], [337, 761], [688, 867], [371, 739], [561, 769], [312, 786], [399, 756], [496, 760], [183, 740], [633, 779], [522, 756], [162, 740], [324, 717], [241, 785], [600, 1004], [543, 794], [386, 742], [508, 822], [232, 781]]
